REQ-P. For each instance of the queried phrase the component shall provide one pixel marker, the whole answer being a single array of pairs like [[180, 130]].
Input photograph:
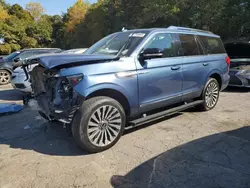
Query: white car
[[20, 82]]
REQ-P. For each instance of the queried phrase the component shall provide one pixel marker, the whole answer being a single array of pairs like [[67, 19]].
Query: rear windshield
[[212, 45], [238, 50]]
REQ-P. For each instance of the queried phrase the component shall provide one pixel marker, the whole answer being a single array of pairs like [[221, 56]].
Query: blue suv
[[129, 78]]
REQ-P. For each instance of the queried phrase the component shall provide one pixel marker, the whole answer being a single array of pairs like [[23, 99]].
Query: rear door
[[195, 66]]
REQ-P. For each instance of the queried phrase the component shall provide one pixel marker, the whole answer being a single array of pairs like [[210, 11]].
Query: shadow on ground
[[237, 90], [10, 95], [217, 161], [47, 138]]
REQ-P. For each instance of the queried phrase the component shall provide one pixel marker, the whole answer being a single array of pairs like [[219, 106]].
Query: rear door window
[[190, 46], [212, 45], [164, 42]]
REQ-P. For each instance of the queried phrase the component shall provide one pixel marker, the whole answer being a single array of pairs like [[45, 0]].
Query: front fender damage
[[56, 98]]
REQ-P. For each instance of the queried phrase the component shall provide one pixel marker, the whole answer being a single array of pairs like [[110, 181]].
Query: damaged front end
[[55, 95]]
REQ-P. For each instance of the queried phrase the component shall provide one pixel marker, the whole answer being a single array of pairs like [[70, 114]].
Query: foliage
[[5, 49], [76, 14], [41, 31], [35, 9], [3, 13], [84, 24]]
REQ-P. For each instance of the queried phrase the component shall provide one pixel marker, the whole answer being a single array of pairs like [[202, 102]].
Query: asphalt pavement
[[188, 150]]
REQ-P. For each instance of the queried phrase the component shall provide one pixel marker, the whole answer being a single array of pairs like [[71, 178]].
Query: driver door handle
[[175, 67], [205, 64]]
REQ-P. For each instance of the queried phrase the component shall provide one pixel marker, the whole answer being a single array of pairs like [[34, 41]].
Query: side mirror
[[151, 53], [17, 59]]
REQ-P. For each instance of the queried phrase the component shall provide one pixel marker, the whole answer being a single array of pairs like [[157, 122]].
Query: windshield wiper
[[125, 46]]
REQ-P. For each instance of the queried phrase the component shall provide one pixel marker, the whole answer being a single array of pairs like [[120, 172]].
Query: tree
[[76, 14], [35, 9], [28, 42], [3, 14], [13, 29], [4, 4], [58, 32], [84, 24], [41, 31]]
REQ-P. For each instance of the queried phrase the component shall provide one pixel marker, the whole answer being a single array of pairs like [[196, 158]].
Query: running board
[[162, 114]]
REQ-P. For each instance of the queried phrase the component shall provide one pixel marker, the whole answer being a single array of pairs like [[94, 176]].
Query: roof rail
[[188, 29]]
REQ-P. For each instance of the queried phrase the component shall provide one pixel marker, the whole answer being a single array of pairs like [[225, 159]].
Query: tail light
[[228, 61], [75, 79]]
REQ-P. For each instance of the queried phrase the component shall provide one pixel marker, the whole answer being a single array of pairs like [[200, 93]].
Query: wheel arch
[[114, 94], [216, 74], [217, 77], [3, 68]]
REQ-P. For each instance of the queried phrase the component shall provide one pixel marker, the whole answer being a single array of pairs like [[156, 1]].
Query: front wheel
[[99, 124], [5, 77], [210, 94]]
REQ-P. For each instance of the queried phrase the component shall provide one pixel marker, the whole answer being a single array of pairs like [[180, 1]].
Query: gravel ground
[[188, 150]]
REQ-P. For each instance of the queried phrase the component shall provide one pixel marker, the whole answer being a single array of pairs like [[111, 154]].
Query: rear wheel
[[210, 94], [5, 77], [99, 124]]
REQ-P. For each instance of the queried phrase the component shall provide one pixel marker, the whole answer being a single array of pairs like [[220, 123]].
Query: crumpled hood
[[66, 60]]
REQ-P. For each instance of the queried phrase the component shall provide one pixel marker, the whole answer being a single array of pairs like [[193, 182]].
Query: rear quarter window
[[212, 45]]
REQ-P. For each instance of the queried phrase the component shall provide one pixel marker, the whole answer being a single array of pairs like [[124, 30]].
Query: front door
[[160, 79]]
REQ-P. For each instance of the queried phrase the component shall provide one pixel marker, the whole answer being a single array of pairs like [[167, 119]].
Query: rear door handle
[[175, 67], [205, 64]]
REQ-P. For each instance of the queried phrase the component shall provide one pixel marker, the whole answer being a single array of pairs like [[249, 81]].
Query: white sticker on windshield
[[138, 34]]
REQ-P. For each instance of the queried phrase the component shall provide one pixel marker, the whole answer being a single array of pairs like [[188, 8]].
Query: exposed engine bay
[[239, 53], [55, 95], [240, 65]]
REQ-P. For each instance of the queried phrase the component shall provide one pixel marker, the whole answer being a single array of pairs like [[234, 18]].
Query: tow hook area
[[59, 102]]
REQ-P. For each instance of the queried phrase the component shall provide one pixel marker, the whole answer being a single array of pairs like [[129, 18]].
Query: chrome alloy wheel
[[4, 77], [104, 126], [212, 94]]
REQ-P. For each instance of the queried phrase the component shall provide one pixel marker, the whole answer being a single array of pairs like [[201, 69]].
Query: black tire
[[5, 77], [212, 83], [84, 118]]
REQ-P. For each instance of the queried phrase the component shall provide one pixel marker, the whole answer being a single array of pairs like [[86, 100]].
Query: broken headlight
[[69, 82], [75, 79]]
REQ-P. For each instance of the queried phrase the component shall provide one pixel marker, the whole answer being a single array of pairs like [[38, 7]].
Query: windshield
[[11, 56], [118, 43]]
